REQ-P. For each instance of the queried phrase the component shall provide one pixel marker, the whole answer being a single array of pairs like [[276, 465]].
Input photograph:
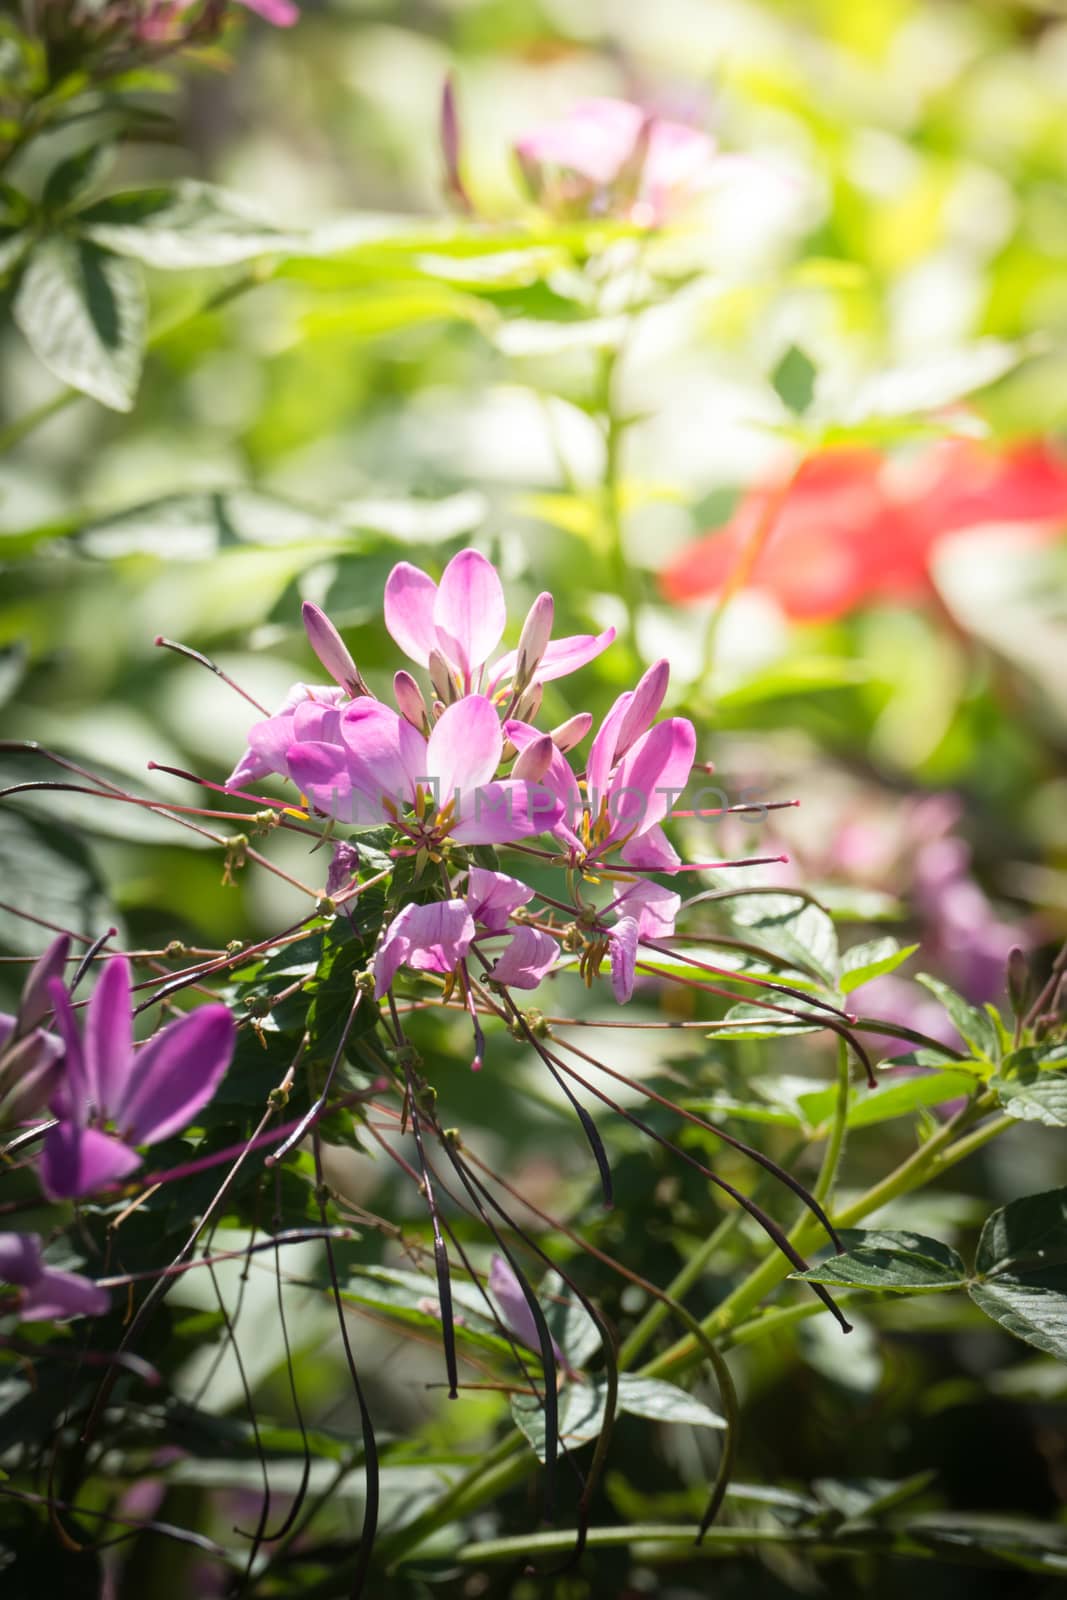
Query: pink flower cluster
[[468, 766]]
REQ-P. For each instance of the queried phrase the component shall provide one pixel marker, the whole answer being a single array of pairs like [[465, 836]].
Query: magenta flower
[[46, 1293], [308, 712], [611, 158], [112, 1098], [30, 1056], [432, 938], [651, 906], [461, 620], [493, 896], [383, 766]]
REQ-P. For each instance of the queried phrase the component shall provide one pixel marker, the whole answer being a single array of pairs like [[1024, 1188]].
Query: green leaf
[[877, 1259], [1034, 1093], [866, 961], [13, 246], [49, 870], [791, 1101], [83, 313], [971, 1024], [76, 176], [569, 1322], [581, 1415], [187, 225], [792, 927], [665, 1402], [1022, 1270], [745, 1021], [794, 380], [898, 1098]]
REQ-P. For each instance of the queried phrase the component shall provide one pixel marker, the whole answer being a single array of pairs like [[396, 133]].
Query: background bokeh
[[901, 229]]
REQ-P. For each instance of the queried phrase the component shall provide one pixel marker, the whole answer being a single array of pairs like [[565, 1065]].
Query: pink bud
[[533, 641], [441, 678], [529, 704], [409, 701], [450, 141], [534, 761], [573, 731], [36, 1002], [331, 649]]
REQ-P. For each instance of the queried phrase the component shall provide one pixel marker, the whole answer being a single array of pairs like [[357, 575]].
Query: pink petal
[[330, 648], [176, 1073], [431, 938], [469, 611], [525, 960], [464, 749], [108, 1042], [79, 1161], [594, 139], [385, 753], [652, 851], [57, 1295], [602, 751], [647, 781], [561, 657], [505, 1289], [652, 907], [493, 896], [565, 735], [320, 771], [20, 1258], [36, 1001], [71, 1099], [500, 813], [644, 706], [280, 13], [409, 605], [622, 942], [559, 780], [269, 740]]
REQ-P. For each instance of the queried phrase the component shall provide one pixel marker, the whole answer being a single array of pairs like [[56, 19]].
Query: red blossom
[[855, 526]]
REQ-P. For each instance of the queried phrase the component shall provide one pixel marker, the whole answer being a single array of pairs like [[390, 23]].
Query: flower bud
[[441, 678], [1018, 981], [344, 865], [534, 761], [29, 1071], [450, 143], [529, 704], [332, 650], [36, 1001], [409, 701], [533, 640], [573, 731]]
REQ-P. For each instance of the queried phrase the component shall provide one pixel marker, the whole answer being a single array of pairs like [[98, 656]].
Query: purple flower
[[526, 958], [111, 1098], [653, 907], [309, 711], [506, 1290], [622, 949], [493, 896], [382, 766], [432, 938], [29, 1056], [610, 157], [461, 620], [46, 1292]]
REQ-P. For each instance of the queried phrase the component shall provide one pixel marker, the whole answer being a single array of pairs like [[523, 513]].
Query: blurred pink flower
[[612, 158]]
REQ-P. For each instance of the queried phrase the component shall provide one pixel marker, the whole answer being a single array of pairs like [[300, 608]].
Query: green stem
[[509, 1462], [835, 1145], [689, 1274], [934, 1154]]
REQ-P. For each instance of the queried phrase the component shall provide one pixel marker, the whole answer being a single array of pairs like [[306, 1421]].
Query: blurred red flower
[[853, 526]]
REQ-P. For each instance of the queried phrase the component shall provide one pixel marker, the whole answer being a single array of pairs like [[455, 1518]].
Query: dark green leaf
[[75, 176], [878, 1259], [794, 380], [1022, 1263], [665, 1402], [83, 313]]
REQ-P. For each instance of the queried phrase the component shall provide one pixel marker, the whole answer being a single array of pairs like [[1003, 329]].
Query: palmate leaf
[[866, 961], [82, 311], [181, 226]]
